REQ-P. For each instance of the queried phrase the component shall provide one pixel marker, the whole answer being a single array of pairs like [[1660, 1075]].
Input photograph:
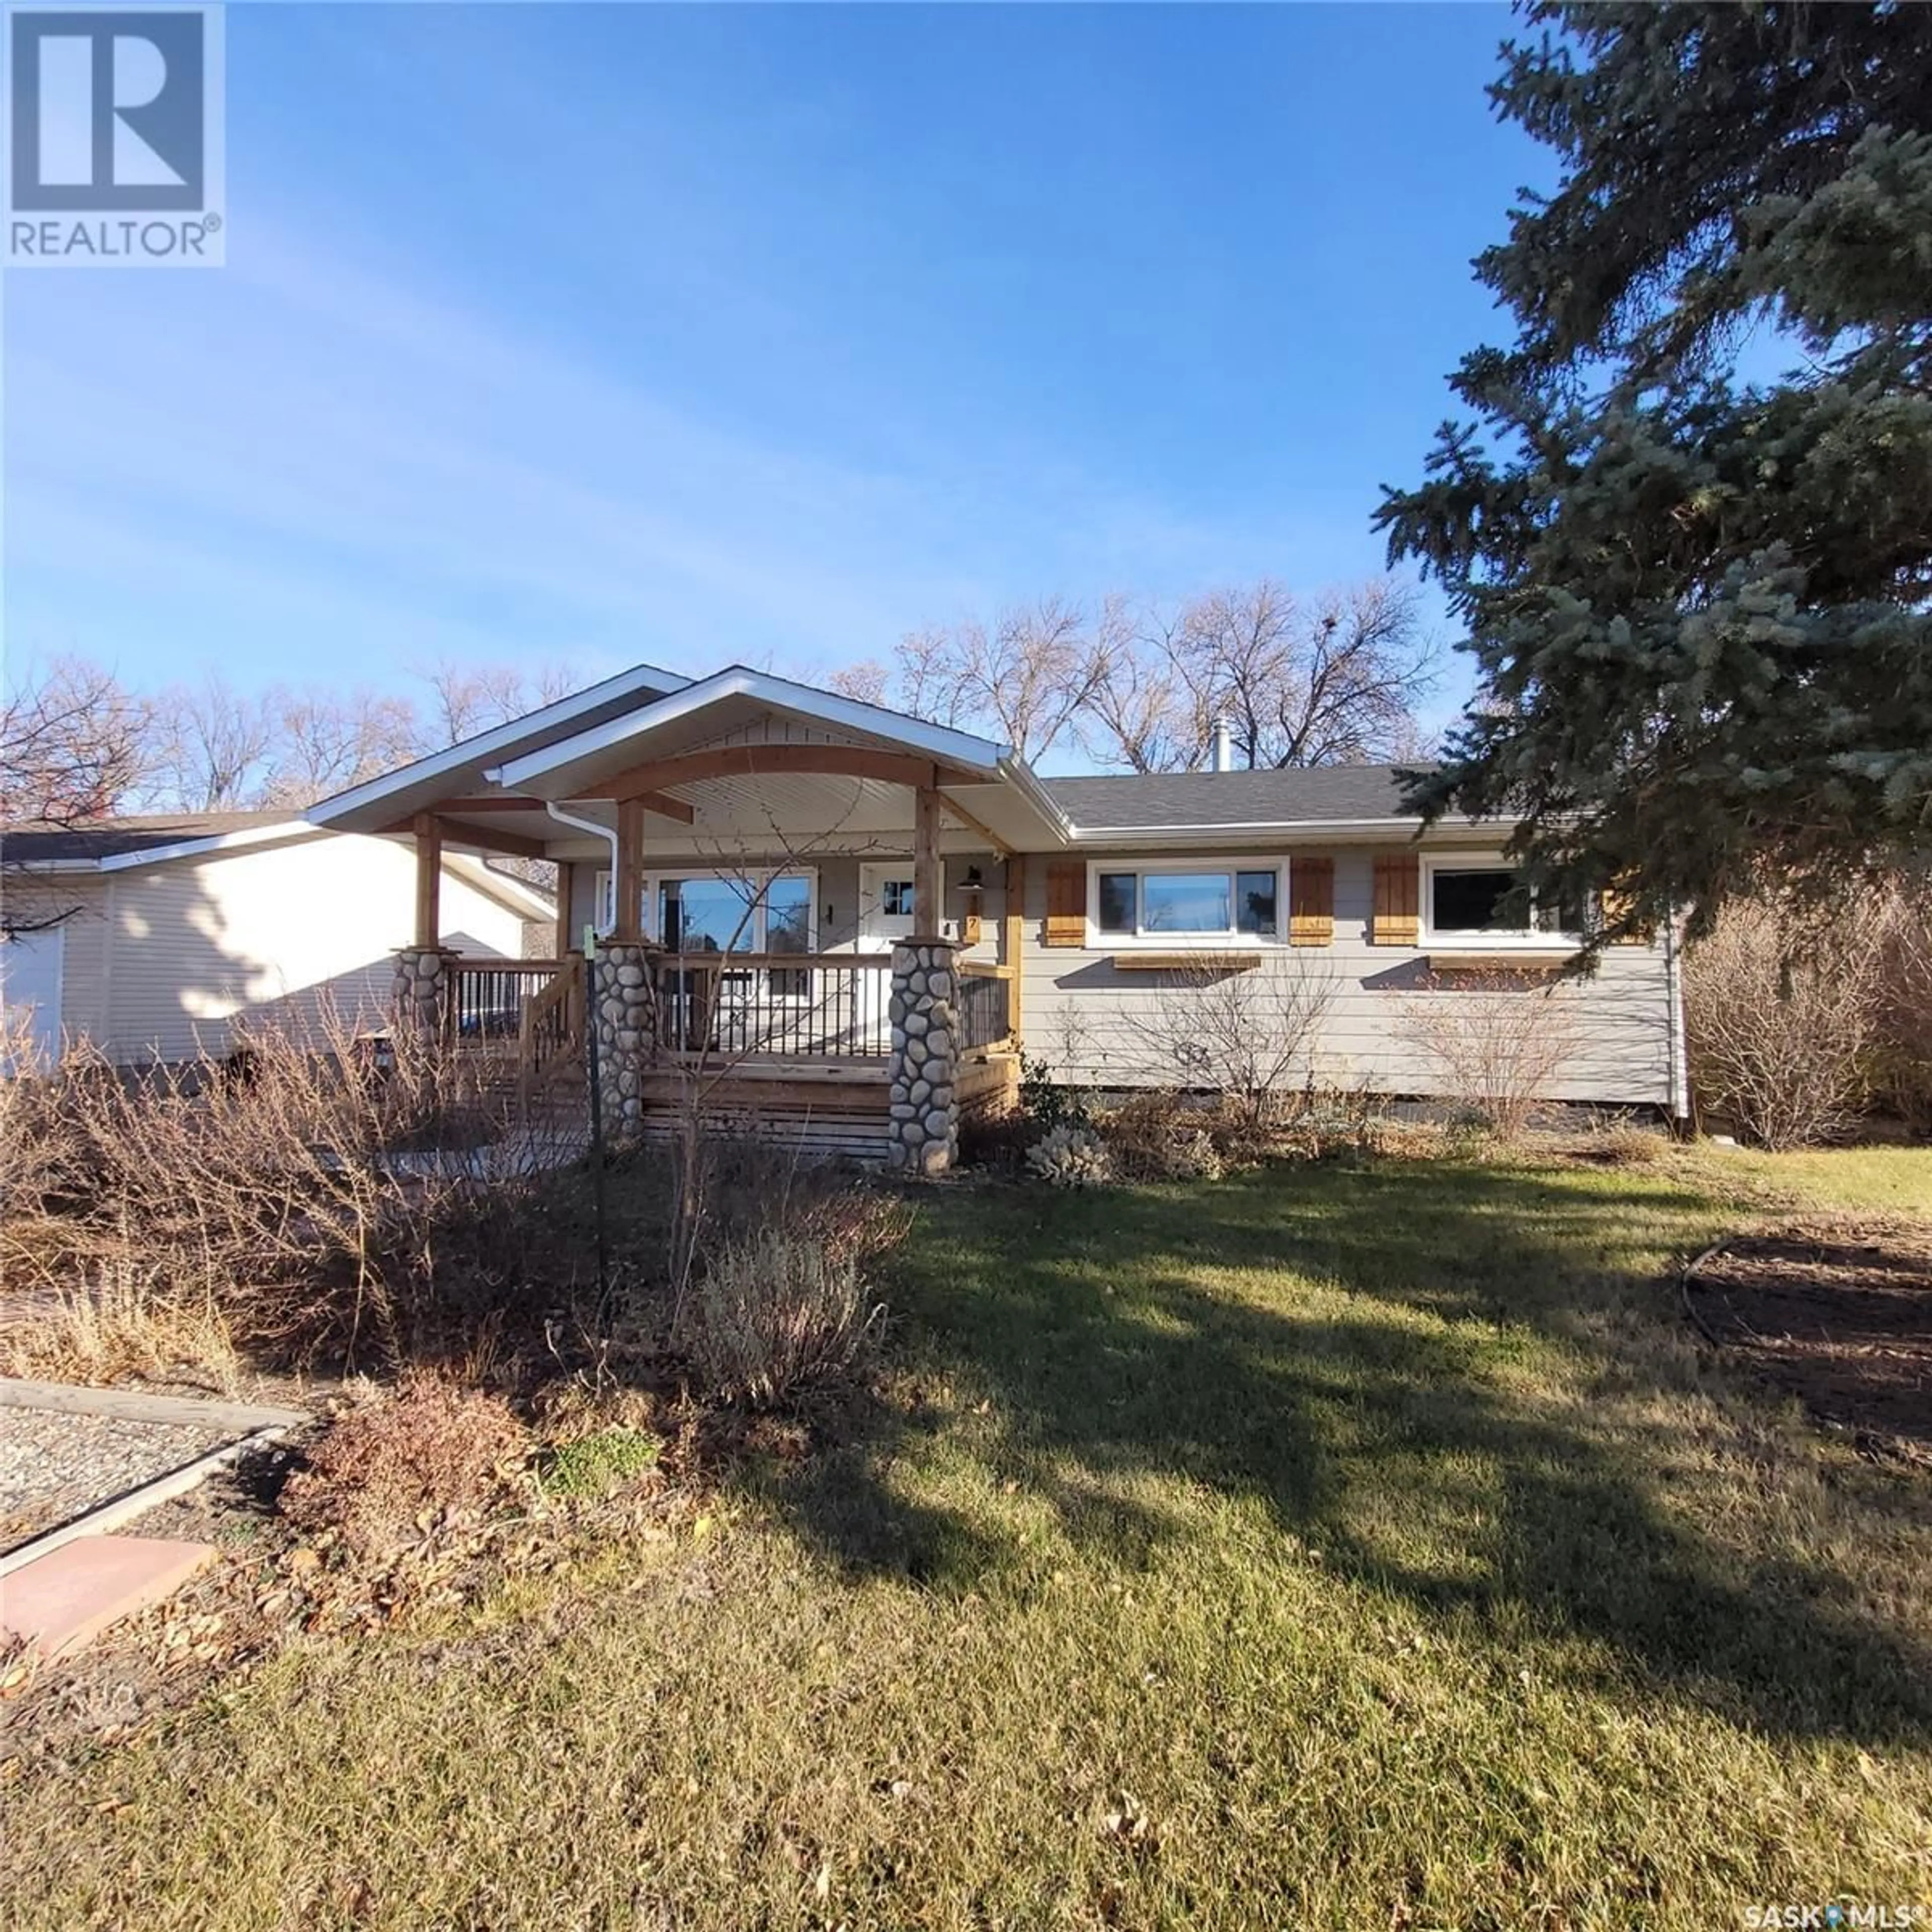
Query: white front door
[[30, 994], [885, 905]]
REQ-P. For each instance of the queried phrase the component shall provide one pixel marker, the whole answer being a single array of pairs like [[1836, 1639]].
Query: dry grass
[[1331, 1546]]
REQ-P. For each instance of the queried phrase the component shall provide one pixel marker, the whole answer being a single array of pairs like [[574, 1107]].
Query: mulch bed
[[1839, 1316]]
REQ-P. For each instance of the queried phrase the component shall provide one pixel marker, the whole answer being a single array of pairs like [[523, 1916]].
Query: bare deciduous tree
[[210, 746], [71, 749], [324, 743], [71, 746], [1024, 678], [465, 699], [1331, 680]]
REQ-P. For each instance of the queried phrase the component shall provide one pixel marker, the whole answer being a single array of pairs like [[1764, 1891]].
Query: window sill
[[1506, 957], [1205, 959]]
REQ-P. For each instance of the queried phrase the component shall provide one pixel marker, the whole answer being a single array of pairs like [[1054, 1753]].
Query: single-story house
[[151, 936], [853, 920]]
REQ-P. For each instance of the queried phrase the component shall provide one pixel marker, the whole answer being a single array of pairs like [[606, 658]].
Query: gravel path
[[54, 1466]]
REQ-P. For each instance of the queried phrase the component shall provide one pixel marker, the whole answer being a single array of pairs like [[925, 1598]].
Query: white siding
[[279, 930], [1096, 1025]]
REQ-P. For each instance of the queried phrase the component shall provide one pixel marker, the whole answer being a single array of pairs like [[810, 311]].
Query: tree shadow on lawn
[[1401, 1442]]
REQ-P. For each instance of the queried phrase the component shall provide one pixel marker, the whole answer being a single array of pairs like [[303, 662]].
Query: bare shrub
[[1247, 1034], [1495, 1043], [771, 1313], [1071, 1157], [1779, 1017], [429, 1449], [1158, 1136], [1901, 1060], [40, 1150], [316, 1198]]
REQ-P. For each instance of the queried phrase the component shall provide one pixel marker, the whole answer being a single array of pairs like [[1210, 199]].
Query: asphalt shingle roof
[[110, 837], [1155, 799]]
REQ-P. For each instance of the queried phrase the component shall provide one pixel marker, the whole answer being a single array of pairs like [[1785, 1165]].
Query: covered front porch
[[790, 910]]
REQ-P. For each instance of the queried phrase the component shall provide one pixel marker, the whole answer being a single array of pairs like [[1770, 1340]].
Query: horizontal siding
[[1095, 1024], [277, 933]]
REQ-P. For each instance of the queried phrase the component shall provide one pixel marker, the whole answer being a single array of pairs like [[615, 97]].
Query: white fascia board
[[1021, 775], [498, 738], [1240, 831], [280, 832], [827, 707]]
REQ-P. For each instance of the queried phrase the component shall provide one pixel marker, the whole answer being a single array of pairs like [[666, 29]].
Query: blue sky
[[600, 334]]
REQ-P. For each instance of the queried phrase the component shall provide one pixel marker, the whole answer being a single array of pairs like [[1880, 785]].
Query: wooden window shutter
[[1067, 902], [1398, 900], [1311, 901], [1614, 902]]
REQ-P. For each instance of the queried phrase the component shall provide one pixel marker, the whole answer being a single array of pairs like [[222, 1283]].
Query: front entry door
[[885, 905]]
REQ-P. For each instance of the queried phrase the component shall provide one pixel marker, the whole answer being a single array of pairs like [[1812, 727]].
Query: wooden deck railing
[[830, 1006], [985, 1007], [551, 1036], [488, 995]]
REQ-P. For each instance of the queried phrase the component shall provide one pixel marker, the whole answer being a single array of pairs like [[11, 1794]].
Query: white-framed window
[[1463, 904], [1205, 902]]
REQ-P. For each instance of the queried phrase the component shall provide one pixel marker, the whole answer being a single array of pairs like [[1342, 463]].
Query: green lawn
[[1322, 1547]]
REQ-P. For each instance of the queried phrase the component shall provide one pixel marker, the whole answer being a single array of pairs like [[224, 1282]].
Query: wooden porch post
[[566, 878], [429, 880], [629, 882], [1013, 940], [928, 913]]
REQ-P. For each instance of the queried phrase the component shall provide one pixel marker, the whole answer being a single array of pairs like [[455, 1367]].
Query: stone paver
[[59, 1601]]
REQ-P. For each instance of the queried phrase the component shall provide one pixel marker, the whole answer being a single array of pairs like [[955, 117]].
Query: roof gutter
[[1249, 828], [607, 834]]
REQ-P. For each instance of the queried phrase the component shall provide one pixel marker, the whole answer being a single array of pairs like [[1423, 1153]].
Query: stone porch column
[[425, 980], [925, 1129], [624, 1005]]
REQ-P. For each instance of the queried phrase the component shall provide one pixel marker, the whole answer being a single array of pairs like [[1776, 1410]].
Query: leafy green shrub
[[1044, 1101], [592, 1466]]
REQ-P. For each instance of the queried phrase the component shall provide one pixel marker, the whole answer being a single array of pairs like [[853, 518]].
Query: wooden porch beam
[[429, 879], [486, 839], [496, 801], [741, 761], [928, 912], [1013, 940], [630, 879], [998, 845], [667, 807]]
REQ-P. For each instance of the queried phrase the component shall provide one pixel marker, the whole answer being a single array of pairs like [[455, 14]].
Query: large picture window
[[706, 912], [1205, 901]]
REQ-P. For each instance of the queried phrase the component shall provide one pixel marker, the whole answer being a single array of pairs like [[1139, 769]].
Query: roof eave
[[938, 742], [498, 737]]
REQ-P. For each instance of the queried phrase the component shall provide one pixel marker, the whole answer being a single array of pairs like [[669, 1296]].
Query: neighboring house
[[150, 937], [755, 855]]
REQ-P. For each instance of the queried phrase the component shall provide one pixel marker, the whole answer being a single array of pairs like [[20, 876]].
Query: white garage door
[[30, 977]]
